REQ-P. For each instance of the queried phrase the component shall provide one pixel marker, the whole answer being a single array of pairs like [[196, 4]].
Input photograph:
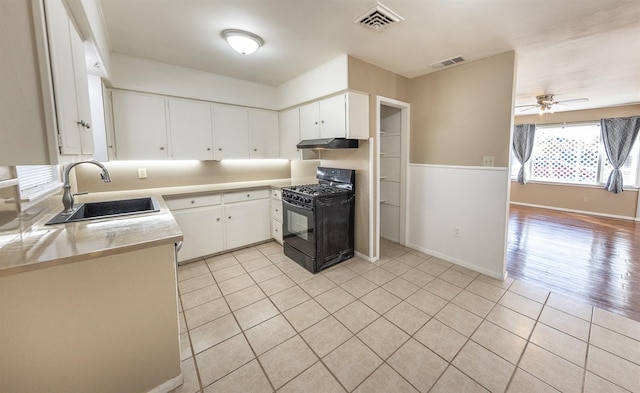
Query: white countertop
[[33, 245]]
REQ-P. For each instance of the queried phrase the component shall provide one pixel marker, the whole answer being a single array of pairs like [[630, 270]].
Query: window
[[37, 181], [574, 154]]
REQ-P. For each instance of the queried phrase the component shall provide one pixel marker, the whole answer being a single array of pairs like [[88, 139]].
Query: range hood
[[328, 143]]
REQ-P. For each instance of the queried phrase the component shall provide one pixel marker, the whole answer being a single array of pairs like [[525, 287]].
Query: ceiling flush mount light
[[242, 41]]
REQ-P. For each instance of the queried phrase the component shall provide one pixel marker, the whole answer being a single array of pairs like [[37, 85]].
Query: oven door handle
[[297, 206]]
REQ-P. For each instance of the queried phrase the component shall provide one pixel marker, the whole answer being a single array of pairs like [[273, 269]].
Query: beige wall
[[357, 159], [124, 174], [572, 197], [373, 80], [106, 324], [461, 114]]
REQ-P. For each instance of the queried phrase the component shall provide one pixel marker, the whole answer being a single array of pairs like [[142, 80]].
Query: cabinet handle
[[193, 201], [316, 122], [229, 217], [218, 219], [219, 149], [208, 149], [162, 148], [248, 195], [322, 122], [84, 124], [255, 149], [276, 210]]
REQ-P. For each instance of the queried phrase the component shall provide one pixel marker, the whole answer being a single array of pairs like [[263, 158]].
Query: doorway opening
[[392, 136]]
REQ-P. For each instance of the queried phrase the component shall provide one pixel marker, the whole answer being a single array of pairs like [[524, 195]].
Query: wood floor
[[592, 259]]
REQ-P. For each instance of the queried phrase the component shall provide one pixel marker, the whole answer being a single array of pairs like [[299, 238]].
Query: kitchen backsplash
[[125, 174]]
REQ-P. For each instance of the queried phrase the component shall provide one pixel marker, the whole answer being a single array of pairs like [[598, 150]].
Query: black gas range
[[318, 219]]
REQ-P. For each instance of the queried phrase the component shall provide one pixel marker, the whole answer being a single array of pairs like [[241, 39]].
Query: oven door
[[298, 227]]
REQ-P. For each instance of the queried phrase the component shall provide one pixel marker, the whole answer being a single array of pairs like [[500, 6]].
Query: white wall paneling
[[471, 199]]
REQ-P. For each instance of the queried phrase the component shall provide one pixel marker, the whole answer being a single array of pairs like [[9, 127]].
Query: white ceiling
[[570, 48]]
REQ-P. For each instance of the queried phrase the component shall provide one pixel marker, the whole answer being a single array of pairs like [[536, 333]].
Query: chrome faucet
[[67, 196]]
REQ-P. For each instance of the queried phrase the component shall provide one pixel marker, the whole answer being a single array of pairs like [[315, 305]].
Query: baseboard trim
[[169, 385], [459, 262], [365, 257], [586, 212]]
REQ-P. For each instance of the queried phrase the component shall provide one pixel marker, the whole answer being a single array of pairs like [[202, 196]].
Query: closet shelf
[[390, 155], [392, 180]]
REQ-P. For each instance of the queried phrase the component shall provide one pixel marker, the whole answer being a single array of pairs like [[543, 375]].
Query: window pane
[[566, 154]]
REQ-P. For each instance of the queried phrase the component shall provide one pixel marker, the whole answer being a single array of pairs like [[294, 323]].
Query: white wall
[[473, 199], [328, 78], [134, 73]]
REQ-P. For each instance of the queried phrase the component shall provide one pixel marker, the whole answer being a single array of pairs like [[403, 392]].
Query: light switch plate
[[142, 173]]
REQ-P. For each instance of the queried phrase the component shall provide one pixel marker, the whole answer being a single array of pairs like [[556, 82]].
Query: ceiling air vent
[[447, 62], [377, 18]]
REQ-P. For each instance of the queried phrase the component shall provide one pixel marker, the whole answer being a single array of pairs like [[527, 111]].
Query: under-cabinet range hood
[[328, 143]]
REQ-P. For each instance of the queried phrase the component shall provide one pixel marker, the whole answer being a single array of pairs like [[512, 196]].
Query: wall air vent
[[447, 62], [378, 18]]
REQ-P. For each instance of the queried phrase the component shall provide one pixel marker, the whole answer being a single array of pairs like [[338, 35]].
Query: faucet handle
[[81, 193]]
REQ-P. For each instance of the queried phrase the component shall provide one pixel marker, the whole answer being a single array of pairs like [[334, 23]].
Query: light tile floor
[[255, 321]]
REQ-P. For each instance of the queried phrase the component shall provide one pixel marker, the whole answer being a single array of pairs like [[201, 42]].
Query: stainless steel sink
[[107, 209]]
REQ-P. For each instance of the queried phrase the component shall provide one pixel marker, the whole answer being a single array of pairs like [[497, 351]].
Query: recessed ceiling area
[[572, 49]]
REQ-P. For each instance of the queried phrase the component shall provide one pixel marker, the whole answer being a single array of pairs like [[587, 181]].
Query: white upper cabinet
[[43, 95], [140, 126], [289, 134], [310, 121], [231, 132], [71, 91], [263, 134], [342, 116], [190, 126]]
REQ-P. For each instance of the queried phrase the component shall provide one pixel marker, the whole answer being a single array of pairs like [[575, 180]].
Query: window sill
[[599, 186]]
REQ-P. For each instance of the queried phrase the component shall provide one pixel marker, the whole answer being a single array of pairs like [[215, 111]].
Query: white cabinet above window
[[44, 100]]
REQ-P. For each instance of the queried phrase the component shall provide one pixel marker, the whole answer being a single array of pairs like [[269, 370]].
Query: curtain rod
[[568, 124]]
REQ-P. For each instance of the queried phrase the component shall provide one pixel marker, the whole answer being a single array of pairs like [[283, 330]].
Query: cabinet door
[[333, 119], [140, 126], [230, 132], [247, 222], [82, 93], [202, 230], [309, 121], [59, 31], [263, 134], [190, 125], [289, 134]]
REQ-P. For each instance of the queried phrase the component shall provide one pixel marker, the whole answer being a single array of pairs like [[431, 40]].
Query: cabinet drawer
[[276, 230], [245, 195], [276, 210], [276, 194], [195, 201]]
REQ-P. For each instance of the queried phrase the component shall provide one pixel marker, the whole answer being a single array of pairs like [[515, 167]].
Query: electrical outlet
[[456, 232], [142, 173], [487, 161]]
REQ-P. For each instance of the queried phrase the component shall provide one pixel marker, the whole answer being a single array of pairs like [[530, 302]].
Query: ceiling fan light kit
[[546, 102], [242, 41]]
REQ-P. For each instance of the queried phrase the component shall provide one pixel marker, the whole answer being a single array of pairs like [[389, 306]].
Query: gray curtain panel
[[618, 135], [523, 135]]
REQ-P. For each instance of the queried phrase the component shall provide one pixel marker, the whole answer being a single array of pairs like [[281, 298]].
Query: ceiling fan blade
[[572, 100], [526, 107]]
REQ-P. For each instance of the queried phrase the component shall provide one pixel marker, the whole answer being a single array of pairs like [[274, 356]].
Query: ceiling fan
[[545, 103]]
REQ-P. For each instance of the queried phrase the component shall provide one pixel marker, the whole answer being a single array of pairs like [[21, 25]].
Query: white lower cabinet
[[247, 218], [214, 223], [276, 215], [200, 219]]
